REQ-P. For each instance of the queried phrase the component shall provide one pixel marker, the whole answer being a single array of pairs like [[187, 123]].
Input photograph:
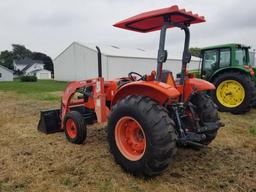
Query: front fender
[[157, 91]]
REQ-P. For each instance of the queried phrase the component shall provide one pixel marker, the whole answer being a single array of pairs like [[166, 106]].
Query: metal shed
[[5, 74], [80, 61]]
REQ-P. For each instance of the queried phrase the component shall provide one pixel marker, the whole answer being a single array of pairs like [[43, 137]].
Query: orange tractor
[[148, 116]]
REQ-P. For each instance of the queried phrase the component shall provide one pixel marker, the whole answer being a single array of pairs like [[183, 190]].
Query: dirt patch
[[32, 161]]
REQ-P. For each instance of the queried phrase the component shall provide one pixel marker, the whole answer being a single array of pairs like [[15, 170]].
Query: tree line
[[21, 52], [195, 51]]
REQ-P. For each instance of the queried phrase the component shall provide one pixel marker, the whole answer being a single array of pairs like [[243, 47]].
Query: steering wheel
[[130, 75]]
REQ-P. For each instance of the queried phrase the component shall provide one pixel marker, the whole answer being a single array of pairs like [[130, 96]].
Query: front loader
[[148, 116]]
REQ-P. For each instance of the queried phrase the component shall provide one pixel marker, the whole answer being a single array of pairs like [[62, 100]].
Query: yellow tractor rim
[[230, 93]]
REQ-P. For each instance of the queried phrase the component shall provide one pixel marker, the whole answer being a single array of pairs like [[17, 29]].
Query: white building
[[28, 66], [5, 74], [80, 61]]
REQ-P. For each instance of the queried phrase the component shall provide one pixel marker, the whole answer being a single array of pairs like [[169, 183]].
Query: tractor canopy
[[154, 20]]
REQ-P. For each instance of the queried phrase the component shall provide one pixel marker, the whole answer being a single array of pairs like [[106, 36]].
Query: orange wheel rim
[[130, 138], [71, 128]]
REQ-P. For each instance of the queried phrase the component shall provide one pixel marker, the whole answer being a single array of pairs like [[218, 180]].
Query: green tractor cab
[[231, 69]]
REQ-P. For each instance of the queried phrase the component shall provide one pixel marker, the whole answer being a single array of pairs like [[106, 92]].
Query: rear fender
[[157, 91], [240, 69], [196, 85], [200, 84]]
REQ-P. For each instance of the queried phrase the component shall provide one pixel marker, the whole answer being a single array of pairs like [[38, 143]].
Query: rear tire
[[245, 82], [207, 112], [254, 97], [159, 135], [74, 127]]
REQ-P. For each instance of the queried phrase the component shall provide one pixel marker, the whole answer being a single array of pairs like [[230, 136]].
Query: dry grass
[[32, 161]]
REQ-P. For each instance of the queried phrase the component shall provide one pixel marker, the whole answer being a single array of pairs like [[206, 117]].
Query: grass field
[[32, 161], [41, 90]]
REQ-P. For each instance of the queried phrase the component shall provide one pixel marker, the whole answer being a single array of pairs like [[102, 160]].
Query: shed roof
[[116, 51], [5, 68], [27, 61]]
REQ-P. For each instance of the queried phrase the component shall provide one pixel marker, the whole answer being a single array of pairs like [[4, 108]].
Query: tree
[[45, 58], [195, 51], [6, 59], [20, 51]]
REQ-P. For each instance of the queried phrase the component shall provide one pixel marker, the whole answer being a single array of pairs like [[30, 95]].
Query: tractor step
[[50, 121]]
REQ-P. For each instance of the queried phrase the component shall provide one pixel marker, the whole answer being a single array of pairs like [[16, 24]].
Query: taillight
[[250, 68]]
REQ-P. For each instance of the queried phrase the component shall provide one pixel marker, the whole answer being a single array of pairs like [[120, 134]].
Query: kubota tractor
[[148, 116]]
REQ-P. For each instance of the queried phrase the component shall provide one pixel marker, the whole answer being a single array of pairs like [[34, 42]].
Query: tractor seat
[[167, 78], [123, 81]]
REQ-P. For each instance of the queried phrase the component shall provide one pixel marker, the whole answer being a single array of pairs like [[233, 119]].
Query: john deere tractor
[[230, 68]]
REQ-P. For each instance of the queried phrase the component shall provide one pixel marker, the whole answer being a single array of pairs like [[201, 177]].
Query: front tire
[[234, 92], [74, 127], [137, 120]]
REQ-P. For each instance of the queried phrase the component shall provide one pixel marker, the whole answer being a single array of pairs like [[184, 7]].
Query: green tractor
[[231, 69]]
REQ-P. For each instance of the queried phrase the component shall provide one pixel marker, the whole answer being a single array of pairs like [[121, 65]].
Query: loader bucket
[[49, 121]]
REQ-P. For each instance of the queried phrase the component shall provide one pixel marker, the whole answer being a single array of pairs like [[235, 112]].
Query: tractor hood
[[154, 20]]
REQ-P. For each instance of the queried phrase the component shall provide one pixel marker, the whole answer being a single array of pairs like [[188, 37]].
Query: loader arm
[[96, 100]]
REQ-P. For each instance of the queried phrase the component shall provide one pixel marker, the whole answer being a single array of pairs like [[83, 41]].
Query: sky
[[49, 26]]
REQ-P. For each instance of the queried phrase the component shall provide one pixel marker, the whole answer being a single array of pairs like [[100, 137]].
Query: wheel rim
[[71, 128], [230, 93], [130, 138]]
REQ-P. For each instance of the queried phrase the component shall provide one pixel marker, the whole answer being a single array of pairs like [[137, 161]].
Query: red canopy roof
[[153, 20]]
